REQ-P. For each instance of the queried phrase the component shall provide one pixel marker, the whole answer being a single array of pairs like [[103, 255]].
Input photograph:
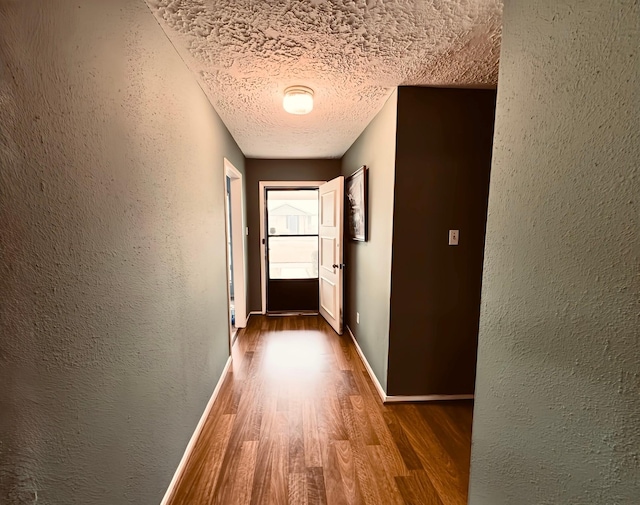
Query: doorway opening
[[280, 267], [292, 250], [301, 227], [235, 249], [232, 307]]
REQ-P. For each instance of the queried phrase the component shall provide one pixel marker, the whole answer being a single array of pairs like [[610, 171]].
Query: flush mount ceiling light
[[298, 100]]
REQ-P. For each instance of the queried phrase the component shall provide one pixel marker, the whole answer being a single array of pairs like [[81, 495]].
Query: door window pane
[[293, 212], [293, 257]]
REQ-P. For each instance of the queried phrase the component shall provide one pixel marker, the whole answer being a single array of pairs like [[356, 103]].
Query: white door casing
[[237, 235], [331, 267]]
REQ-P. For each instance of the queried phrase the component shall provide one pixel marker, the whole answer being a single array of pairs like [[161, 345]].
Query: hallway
[[298, 421]]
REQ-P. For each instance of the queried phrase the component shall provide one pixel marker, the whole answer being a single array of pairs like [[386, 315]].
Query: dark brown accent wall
[[443, 160], [274, 170]]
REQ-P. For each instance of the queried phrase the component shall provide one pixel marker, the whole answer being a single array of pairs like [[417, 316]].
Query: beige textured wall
[[557, 415], [113, 310], [368, 270]]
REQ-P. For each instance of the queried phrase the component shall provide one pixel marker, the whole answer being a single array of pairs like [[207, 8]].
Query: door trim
[[263, 186], [238, 238]]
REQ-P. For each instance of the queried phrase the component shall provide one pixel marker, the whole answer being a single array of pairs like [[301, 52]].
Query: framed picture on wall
[[356, 193]]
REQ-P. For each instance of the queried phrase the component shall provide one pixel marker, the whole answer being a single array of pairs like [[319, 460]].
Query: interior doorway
[[232, 308], [236, 262]]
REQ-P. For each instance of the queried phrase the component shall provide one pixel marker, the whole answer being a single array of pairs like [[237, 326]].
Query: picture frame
[[356, 189]]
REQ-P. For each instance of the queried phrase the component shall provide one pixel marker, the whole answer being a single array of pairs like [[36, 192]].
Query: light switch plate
[[454, 236]]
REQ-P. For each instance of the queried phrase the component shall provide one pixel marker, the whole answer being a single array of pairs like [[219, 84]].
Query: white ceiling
[[353, 53]]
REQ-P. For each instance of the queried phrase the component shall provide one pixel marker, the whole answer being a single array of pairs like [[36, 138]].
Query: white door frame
[[264, 185], [237, 234]]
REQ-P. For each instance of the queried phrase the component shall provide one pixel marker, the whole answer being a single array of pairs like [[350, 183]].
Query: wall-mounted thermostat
[[454, 236]]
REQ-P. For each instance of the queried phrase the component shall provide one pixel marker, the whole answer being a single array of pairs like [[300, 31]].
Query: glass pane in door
[[293, 257], [292, 212]]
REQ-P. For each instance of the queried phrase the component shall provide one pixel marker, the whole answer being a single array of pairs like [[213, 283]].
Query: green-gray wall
[[443, 159], [557, 415], [368, 264], [275, 170], [113, 309]]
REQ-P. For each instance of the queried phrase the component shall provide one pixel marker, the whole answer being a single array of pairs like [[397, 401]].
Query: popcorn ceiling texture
[[351, 52]]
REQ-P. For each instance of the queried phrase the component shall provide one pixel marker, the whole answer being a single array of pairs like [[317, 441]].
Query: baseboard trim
[[376, 382], [426, 398], [192, 442], [255, 313], [294, 313], [401, 399]]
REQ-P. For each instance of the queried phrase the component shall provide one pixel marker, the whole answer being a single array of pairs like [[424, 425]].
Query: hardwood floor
[[298, 421]]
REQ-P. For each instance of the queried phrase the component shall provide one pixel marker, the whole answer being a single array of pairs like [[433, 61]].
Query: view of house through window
[[292, 222]]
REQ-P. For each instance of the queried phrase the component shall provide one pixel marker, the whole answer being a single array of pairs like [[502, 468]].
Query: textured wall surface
[[368, 264], [274, 170], [557, 415], [113, 311], [350, 52], [443, 160]]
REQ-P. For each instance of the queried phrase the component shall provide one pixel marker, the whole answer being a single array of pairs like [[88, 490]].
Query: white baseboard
[[255, 313], [194, 437], [376, 382], [426, 398], [400, 399]]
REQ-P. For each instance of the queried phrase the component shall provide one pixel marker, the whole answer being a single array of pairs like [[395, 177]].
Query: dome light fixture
[[298, 100]]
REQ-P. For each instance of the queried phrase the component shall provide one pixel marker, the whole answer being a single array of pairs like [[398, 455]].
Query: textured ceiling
[[351, 52]]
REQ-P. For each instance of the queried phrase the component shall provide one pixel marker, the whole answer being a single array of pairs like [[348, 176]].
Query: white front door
[[331, 268]]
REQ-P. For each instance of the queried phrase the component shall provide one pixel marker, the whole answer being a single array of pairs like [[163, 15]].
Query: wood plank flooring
[[298, 421]]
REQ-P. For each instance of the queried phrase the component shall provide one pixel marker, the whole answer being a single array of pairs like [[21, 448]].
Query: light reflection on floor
[[291, 354]]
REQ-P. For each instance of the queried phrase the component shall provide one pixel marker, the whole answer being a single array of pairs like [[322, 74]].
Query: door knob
[[340, 266]]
